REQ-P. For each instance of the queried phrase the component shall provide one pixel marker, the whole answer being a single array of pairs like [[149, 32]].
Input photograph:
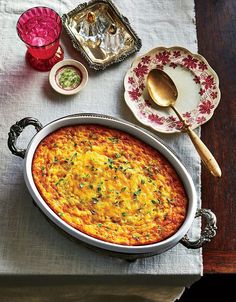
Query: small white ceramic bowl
[[53, 76]]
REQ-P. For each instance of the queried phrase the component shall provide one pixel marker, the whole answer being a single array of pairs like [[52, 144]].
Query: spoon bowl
[[161, 88]]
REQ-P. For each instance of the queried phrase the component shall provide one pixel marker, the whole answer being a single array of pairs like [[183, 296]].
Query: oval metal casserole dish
[[129, 251]]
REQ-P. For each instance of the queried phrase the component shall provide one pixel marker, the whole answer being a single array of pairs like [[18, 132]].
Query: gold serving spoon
[[164, 93]]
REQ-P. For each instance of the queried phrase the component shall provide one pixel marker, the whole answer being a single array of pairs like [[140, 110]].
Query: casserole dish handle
[[208, 232], [15, 132]]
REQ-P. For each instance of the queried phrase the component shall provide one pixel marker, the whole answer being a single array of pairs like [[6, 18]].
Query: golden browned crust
[[109, 185]]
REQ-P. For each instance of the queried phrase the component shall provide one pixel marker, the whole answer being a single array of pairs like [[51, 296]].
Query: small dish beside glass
[[68, 77]]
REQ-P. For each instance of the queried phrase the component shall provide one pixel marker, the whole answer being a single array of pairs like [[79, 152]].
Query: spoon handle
[[205, 154]]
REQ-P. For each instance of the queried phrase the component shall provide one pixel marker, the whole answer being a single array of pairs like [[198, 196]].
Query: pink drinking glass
[[40, 28]]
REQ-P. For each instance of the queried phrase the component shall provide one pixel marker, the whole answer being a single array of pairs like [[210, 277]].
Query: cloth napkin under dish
[[31, 246]]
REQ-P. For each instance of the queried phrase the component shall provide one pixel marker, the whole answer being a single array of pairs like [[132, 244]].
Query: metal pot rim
[[136, 131], [127, 251]]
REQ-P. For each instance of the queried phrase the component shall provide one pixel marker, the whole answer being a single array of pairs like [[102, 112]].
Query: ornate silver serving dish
[[127, 252], [90, 25]]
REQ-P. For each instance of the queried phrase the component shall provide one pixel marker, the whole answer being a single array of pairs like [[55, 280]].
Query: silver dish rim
[[122, 125]]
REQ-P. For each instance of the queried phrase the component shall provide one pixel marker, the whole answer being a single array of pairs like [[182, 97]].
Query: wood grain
[[220, 261], [216, 29]]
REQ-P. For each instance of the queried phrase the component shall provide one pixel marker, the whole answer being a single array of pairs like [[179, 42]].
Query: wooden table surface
[[216, 28]]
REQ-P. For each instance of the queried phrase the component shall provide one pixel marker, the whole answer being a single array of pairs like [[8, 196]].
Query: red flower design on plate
[[196, 79], [202, 91], [214, 95], [171, 125], [158, 66], [131, 80], [146, 60], [205, 107], [134, 94], [200, 120], [202, 66], [179, 125], [173, 65], [163, 57], [141, 70], [176, 53], [190, 62], [171, 118], [141, 86], [147, 103], [157, 119], [208, 82], [187, 114]]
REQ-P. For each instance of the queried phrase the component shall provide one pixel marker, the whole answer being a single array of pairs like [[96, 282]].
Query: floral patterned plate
[[196, 81]]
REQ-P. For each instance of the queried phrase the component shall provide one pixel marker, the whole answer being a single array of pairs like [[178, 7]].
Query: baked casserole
[[109, 185]]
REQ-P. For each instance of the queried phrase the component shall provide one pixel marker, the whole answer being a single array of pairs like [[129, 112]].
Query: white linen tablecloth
[[28, 244]]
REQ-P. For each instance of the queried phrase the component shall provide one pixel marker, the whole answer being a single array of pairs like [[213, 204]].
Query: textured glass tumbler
[[40, 28]]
